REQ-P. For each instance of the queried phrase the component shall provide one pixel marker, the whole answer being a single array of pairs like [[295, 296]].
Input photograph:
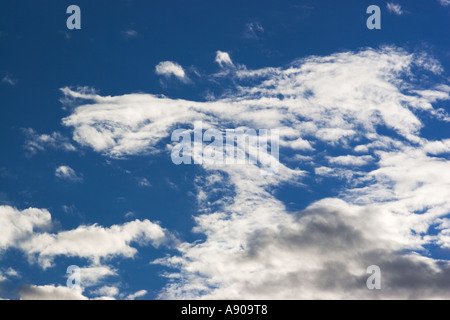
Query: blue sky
[[86, 177]]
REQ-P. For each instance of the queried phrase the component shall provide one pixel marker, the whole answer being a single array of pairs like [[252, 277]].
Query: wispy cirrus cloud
[[50, 292], [253, 30], [395, 8], [353, 161], [143, 182], [67, 173], [40, 142], [223, 59], [169, 69], [95, 274]]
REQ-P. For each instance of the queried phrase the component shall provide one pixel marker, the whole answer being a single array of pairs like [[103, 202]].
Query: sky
[[87, 179]]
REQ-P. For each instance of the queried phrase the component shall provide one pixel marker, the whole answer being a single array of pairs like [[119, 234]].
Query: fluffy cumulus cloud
[[94, 274], [29, 231], [55, 292], [67, 173], [16, 225], [138, 294], [330, 99], [331, 113], [169, 68], [94, 242]]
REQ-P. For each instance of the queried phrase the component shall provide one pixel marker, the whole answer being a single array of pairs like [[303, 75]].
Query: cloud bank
[[333, 113]]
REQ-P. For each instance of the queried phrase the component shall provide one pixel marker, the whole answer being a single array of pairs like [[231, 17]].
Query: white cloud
[[444, 2], [69, 209], [138, 294], [328, 99], [298, 144], [169, 68], [67, 173], [51, 292], [320, 253], [39, 142], [27, 230], [91, 276], [130, 214], [143, 182], [56, 292], [12, 273], [253, 30], [254, 247], [223, 59], [9, 79], [130, 33], [334, 134], [417, 182], [8, 274], [350, 160], [395, 8], [437, 147], [107, 291], [95, 242]]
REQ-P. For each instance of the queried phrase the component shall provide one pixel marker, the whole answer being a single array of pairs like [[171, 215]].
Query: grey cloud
[[254, 247]]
